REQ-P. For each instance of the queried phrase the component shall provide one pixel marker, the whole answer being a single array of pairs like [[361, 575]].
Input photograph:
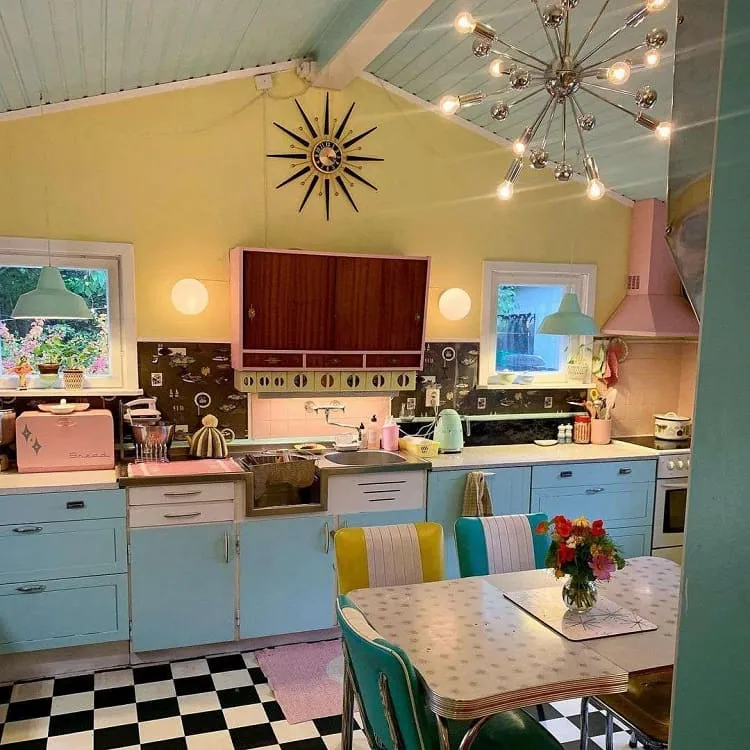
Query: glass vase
[[579, 595]]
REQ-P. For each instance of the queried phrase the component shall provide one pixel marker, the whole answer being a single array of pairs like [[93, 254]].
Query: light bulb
[[505, 190], [664, 131], [595, 190], [654, 5], [618, 73], [464, 23], [652, 58], [449, 104], [519, 148], [497, 68]]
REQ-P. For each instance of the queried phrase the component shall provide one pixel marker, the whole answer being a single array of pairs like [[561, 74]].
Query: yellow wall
[[182, 176]]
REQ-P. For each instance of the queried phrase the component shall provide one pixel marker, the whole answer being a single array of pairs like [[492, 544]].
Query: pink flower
[[603, 566]]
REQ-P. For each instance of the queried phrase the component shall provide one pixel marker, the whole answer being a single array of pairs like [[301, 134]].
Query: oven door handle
[[670, 487]]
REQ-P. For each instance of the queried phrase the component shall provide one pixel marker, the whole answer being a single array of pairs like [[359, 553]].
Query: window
[[516, 298], [101, 273]]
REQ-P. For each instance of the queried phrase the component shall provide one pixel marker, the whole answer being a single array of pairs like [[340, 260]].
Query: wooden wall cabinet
[[296, 310]]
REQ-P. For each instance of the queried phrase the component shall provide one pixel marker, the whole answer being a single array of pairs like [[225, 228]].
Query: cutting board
[[185, 468]]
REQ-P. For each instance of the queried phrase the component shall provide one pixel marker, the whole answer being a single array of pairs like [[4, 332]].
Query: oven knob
[[670, 465], [680, 464]]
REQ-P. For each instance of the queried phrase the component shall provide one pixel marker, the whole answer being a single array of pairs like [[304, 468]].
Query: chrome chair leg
[[584, 723], [609, 740], [347, 718]]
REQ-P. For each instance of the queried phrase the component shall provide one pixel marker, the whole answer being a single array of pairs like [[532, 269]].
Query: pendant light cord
[[45, 168]]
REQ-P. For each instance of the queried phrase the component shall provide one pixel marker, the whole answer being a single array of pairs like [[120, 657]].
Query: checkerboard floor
[[217, 703]]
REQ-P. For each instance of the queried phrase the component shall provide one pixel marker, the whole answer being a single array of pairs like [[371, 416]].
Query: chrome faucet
[[311, 406]]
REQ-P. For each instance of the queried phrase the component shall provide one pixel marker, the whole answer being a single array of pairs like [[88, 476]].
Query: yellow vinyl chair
[[376, 556]]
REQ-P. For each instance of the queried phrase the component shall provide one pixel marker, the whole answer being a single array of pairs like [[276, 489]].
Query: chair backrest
[[500, 544], [389, 694], [376, 556]]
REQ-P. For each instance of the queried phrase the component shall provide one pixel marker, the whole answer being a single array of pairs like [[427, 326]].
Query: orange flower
[[542, 527], [563, 526]]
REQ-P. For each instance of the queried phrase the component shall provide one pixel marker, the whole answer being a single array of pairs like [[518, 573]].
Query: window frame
[[579, 277], [118, 259]]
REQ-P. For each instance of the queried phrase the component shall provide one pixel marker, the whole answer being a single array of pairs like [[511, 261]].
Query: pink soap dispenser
[[390, 435], [373, 434]]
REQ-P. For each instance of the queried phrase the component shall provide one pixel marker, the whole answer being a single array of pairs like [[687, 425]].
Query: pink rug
[[306, 678]]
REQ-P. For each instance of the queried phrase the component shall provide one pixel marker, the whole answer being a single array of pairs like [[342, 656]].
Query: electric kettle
[[449, 431]]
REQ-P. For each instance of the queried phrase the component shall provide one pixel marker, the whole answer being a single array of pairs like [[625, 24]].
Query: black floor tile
[[254, 736], [597, 723], [257, 676], [40, 744], [549, 712], [241, 696], [114, 737], [152, 673], [226, 663], [69, 685], [200, 723], [178, 743], [33, 709], [576, 745], [79, 721], [314, 743], [5, 691], [328, 725], [273, 711], [118, 696], [158, 709], [192, 685]]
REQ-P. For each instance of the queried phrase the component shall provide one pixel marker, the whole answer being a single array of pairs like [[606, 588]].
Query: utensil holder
[[601, 431]]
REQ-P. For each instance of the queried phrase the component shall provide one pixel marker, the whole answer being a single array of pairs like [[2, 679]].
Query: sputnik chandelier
[[571, 72]]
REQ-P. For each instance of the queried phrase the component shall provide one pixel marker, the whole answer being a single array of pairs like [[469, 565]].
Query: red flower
[[597, 528], [565, 554], [542, 527], [563, 526]]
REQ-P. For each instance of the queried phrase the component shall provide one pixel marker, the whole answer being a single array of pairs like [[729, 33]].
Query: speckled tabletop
[[479, 654]]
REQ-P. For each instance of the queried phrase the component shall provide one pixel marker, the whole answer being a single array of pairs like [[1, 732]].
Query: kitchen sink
[[365, 458]]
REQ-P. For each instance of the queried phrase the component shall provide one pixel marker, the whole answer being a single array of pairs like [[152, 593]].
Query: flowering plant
[[581, 549]]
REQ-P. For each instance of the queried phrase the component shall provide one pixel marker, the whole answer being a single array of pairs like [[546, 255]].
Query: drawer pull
[[566, 474], [36, 589], [28, 530], [379, 499], [183, 494], [625, 471], [226, 547], [377, 492], [183, 515], [594, 490], [327, 536], [377, 484], [75, 505]]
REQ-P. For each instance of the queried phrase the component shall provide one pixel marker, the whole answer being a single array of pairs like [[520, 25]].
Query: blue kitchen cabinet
[[182, 585], [510, 489], [633, 542], [287, 580], [382, 518]]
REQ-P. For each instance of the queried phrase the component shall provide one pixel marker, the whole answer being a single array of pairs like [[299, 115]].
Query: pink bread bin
[[74, 442]]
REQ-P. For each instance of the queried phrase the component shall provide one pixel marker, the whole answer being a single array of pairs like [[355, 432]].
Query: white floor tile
[[152, 691], [27, 691], [114, 716], [265, 693], [193, 704], [210, 741], [562, 729], [249, 659], [30, 729], [286, 732], [236, 678], [359, 741], [621, 741], [570, 707], [67, 704], [245, 716], [161, 729], [3, 713], [115, 678], [191, 668], [77, 741]]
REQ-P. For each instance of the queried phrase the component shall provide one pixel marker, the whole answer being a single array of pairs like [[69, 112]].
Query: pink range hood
[[653, 306]]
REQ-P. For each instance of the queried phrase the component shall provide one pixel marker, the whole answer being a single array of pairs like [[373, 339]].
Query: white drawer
[[171, 514], [386, 490], [181, 493]]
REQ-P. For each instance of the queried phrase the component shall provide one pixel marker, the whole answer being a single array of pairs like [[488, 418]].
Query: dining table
[[478, 654]]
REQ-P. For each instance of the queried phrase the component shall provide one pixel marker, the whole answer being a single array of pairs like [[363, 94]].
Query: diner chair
[[376, 556], [644, 710], [500, 544], [394, 712]]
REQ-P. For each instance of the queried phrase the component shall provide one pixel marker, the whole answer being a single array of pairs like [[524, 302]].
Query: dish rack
[[419, 447], [276, 467]]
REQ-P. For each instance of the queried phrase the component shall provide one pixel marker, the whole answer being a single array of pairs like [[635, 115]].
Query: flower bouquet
[[585, 553]]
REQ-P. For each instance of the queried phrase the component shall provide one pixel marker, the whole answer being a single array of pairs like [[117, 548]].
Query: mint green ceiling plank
[[15, 31], [14, 87], [236, 18], [342, 27], [147, 69], [118, 22], [93, 17]]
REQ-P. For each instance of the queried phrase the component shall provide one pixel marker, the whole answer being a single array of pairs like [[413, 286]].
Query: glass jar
[[579, 595], [582, 429]]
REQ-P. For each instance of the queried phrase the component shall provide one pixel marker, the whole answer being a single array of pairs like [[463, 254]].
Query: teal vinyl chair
[[392, 703], [500, 544]]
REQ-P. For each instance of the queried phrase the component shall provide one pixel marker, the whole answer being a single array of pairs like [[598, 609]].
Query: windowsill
[[63, 392], [536, 386]]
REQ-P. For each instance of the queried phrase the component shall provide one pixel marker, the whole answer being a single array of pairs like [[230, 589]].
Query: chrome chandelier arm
[[527, 97], [521, 52], [609, 101], [544, 26], [525, 64], [565, 131], [611, 90], [566, 45], [613, 57], [549, 123], [587, 35], [560, 43], [599, 46]]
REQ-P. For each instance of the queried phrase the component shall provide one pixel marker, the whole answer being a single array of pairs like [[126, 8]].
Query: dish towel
[[477, 498]]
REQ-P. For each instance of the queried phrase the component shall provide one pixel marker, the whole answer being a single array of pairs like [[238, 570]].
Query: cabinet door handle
[[183, 494], [272, 360], [566, 474], [626, 471], [379, 499], [27, 530], [75, 505], [594, 490], [417, 317], [251, 313], [37, 589], [183, 515], [226, 547], [327, 532]]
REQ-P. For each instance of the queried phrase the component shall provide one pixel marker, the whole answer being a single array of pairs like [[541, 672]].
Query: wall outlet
[[432, 396], [548, 402], [481, 404], [263, 82]]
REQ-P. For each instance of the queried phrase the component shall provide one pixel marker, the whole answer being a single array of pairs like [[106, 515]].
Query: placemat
[[606, 619]]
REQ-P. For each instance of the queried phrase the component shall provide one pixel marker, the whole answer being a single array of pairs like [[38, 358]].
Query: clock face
[[326, 156]]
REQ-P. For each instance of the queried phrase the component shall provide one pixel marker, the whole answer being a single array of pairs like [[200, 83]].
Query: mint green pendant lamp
[[51, 299], [569, 320]]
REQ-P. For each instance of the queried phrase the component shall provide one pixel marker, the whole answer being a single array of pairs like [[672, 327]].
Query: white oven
[[670, 506]]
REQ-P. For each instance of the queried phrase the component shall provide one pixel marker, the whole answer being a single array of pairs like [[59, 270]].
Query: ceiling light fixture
[[571, 72]]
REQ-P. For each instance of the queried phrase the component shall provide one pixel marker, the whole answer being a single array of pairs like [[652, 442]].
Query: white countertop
[[13, 483], [528, 453]]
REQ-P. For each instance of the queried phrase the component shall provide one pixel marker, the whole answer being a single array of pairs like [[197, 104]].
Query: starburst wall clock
[[325, 156]]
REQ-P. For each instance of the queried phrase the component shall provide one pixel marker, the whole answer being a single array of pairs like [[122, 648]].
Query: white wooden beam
[[391, 17]]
